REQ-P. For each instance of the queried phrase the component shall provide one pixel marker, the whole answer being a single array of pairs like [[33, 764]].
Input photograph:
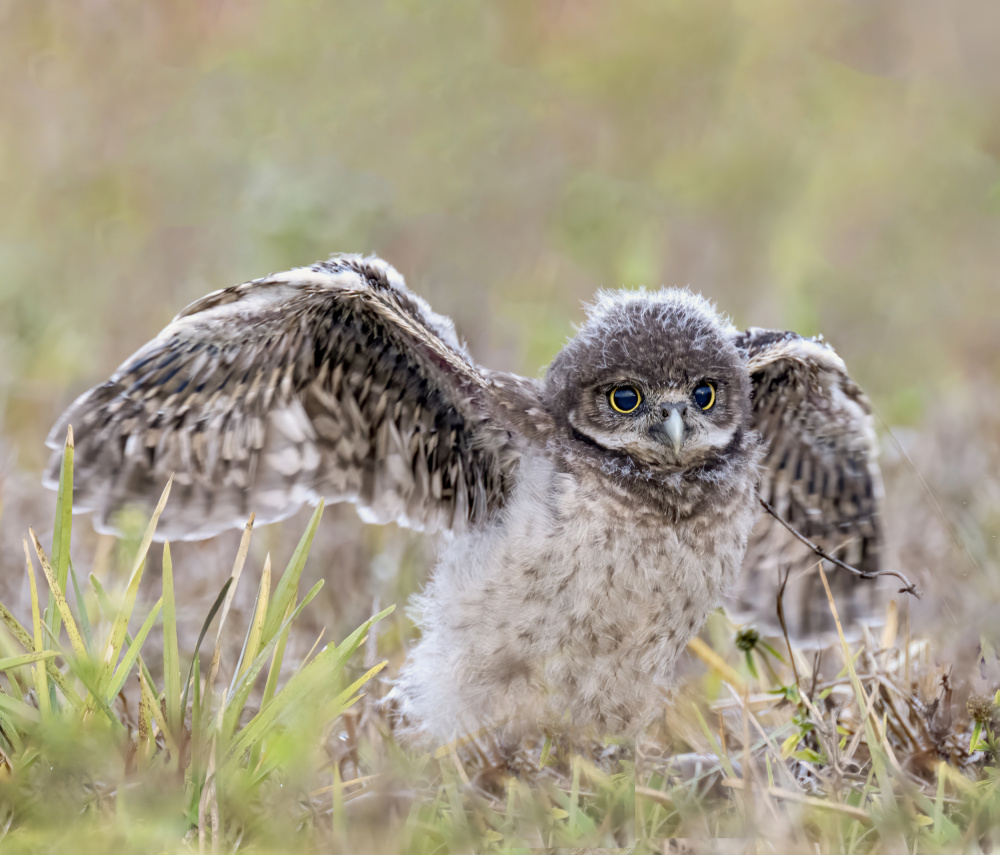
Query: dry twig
[[908, 586]]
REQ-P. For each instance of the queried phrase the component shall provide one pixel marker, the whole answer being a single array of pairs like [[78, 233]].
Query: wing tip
[[763, 347]]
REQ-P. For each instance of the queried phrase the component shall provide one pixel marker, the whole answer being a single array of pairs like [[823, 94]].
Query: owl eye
[[625, 399], [704, 396]]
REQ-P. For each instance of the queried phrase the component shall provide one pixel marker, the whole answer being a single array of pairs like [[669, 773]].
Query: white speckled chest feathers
[[576, 605]]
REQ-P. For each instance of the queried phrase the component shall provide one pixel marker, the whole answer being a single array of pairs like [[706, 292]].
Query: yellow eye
[[704, 396], [624, 399]]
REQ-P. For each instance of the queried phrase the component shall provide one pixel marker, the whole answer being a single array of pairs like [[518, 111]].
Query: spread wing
[[820, 474], [327, 381]]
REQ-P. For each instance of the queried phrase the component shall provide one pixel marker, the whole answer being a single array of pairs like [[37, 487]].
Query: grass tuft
[[94, 748], [105, 744]]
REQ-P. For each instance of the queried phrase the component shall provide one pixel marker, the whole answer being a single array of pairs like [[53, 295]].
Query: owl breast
[[577, 602]]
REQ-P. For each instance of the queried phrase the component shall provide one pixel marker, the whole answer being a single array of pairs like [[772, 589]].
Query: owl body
[[590, 519], [574, 607]]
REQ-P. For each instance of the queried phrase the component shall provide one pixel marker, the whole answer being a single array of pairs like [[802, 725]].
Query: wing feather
[[329, 381], [820, 473]]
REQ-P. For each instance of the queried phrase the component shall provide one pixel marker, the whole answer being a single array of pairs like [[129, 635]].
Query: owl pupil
[[704, 396], [625, 399]]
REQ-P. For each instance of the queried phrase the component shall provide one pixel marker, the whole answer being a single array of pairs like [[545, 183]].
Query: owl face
[[657, 379], [657, 423]]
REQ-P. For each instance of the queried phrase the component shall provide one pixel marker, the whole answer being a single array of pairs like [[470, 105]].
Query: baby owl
[[590, 519]]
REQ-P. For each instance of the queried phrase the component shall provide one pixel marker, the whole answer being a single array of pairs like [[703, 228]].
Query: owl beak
[[674, 426]]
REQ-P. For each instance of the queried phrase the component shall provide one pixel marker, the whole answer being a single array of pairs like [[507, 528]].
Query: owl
[[590, 520]]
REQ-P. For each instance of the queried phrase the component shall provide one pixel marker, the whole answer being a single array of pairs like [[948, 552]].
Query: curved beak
[[674, 426]]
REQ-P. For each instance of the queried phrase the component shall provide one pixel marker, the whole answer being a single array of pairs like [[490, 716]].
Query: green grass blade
[[132, 653], [249, 653], [289, 582], [713, 742], [146, 689], [15, 683], [237, 698], [88, 678], [146, 741], [252, 644], [11, 740], [27, 659], [273, 672], [197, 648], [18, 711], [75, 639], [53, 673], [41, 680], [241, 558], [198, 737], [171, 656], [327, 665], [195, 679], [61, 532], [81, 611], [296, 692], [108, 609], [349, 696], [938, 811], [116, 639], [15, 628]]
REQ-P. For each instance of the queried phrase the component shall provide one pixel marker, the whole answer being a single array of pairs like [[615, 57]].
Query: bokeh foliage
[[825, 166]]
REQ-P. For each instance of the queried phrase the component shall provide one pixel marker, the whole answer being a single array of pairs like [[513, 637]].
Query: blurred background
[[826, 167]]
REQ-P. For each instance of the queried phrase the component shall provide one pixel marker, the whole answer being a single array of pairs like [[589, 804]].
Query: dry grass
[[859, 747]]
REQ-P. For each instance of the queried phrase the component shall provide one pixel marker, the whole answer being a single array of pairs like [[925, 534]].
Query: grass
[[114, 738]]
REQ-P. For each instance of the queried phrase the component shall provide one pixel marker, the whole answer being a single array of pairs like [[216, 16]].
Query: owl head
[[654, 377]]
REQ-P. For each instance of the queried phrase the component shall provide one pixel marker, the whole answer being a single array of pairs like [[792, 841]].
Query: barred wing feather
[[820, 474], [327, 381]]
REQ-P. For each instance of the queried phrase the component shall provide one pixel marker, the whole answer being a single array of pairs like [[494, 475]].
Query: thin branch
[[780, 605], [908, 586]]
